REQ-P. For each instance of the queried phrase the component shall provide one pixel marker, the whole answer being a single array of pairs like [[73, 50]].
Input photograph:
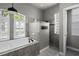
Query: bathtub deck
[[9, 47]]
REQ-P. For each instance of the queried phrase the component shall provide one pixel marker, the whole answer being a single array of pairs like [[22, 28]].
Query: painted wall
[[25, 9], [50, 12]]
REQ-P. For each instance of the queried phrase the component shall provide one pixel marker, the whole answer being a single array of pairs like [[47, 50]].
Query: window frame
[[24, 28], [8, 19], [57, 24]]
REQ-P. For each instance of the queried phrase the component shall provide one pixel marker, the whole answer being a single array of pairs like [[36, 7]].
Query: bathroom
[[32, 29]]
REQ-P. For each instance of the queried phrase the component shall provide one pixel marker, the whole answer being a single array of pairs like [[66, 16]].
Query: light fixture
[[12, 9]]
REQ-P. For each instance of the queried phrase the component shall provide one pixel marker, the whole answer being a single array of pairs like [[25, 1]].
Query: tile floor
[[54, 52], [72, 53], [48, 52]]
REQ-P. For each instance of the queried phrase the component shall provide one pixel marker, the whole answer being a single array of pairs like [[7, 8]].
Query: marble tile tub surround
[[18, 46]]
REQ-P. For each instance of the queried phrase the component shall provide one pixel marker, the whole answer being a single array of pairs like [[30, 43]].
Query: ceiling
[[43, 5]]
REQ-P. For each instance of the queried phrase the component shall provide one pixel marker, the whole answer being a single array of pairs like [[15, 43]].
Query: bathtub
[[13, 45]]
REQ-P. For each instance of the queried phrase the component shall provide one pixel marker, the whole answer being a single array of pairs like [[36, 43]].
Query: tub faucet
[[30, 40]]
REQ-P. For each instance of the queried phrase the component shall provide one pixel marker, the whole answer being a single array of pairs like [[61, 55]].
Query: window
[[19, 25], [4, 26], [75, 22], [56, 19]]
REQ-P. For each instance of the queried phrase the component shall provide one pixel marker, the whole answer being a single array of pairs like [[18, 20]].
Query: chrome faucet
[[30, 39]]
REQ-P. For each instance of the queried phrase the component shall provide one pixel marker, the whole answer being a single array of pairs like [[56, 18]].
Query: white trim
[[15, 26], [44, 49], [65, 25], [72, 48], [64, 30], [61, 54]]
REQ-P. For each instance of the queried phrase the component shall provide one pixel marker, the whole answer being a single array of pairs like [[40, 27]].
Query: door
[[74, 41]]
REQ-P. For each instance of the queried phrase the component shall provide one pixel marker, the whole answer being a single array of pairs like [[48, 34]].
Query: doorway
[[73, 31], [54, 31], [70, 29], [54, 38]]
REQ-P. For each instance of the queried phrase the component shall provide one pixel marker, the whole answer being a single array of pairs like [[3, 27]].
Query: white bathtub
[[12, 45]]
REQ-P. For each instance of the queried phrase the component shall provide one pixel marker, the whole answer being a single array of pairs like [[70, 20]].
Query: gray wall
[[49, 13], [25, 9]]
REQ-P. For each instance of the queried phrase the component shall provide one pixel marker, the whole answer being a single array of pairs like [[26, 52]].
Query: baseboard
[[72, 48], [61, 54], [44, 49]]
